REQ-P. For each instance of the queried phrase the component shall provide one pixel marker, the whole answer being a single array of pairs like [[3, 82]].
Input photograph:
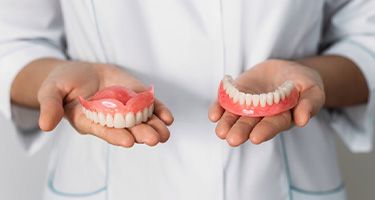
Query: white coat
[[184, 48]]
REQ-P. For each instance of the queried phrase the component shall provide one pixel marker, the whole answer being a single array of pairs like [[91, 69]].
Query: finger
[[118, 137], [51, 106], [145, 134], [311, 101], [225, 124], [159, 127], [215, 112], [163, 112], [240, 131], [269, 127]]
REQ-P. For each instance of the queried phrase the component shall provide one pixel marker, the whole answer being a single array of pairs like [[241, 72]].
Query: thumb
[[51, 106], [310, 102]]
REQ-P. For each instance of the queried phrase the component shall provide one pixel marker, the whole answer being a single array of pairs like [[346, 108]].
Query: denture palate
[[265, 104], [119, 107]]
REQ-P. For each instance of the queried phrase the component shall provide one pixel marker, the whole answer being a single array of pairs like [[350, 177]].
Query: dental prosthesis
[[119, 107], [282, 99]]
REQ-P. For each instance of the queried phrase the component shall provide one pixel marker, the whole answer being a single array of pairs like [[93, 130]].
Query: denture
[[240, 103], [119, 107]]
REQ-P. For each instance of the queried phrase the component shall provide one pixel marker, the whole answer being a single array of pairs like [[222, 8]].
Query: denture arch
[[240, 103], [119, 107]]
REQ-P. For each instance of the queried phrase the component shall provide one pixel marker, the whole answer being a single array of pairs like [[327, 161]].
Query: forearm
[[25, 87], [344, 83]]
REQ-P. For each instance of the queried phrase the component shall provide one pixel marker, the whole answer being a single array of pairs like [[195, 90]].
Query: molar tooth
[[269, 98], [86, 113], [102, 119], [109, 120], [151, 110], [255, 99], [95, 117], [242, 97], [282, 93], [262, 99], [119, 121], [236, 97], [248, 99], [129, 120], [276, 96], [138, 117], [145, 114], [89, 115], [232, 91]]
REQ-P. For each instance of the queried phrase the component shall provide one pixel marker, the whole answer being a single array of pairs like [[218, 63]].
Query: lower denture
[[119, 107], [282, 99]]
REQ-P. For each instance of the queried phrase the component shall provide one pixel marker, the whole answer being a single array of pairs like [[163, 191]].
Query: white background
[[22, 177]]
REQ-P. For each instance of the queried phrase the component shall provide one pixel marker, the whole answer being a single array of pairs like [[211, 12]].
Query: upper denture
[[119, 107]]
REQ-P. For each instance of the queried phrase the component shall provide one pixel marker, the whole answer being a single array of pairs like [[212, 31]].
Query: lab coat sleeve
[[350, 32], [29, 30]]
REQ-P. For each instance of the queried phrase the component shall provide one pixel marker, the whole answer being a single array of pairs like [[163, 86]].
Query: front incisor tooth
[[119, 121], [145, 115], [109, 120], [95, 117], [255, 99], [151, 110], [248, 99], [276, 96], [262, 100], [129, 120], [242, 98], [269, 98], [138, 117], [102, 119]]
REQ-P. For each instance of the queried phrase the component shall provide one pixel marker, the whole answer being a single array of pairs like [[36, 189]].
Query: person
[[53, 51]]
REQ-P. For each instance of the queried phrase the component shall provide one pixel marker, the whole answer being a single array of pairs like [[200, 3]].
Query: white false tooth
[[242, 98], [89, 114], [262, 99], [282, 93], [286, 90], [138, 117], [145, 115], [102, 119], [232, 91], [86, 113], [225, 84], [109, 120], [151, 110], [129, 120], [236, 97], [276, 96], [270, 98], [95, 117], [255, 99], [119, 121], [248, 99]]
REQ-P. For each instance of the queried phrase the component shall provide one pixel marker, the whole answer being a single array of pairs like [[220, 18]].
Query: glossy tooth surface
[[102, 119], [138, 117], [282, 94], [145, 115], [129, 120], [151, 110], [255, 99], [242, 98], [269, 98], [119, 121], [109, 120], [248, 98], [276, 97], [95, 117], [236, 97], [232, 91], [262, 100]]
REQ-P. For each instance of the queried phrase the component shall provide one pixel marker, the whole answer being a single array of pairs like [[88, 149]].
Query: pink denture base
[[118, 99]]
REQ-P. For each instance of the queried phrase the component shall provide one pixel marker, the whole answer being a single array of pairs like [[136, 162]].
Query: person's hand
[[265, 77], [59, 93]]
